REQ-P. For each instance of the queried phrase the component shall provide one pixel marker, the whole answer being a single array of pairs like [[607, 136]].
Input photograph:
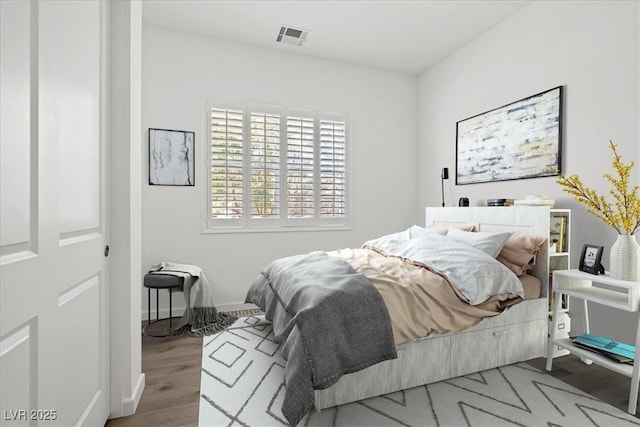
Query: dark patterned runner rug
[[241, 385], [244, 313]]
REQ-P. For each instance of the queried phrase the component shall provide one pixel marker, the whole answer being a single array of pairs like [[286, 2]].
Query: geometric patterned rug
[[241, 385]]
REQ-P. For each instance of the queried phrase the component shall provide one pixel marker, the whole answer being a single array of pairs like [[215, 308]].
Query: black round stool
[[161, 281]]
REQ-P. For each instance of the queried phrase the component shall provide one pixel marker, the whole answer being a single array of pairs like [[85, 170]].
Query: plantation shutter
[[265, 165], [300, 167], [227, 163], [274, 167], [332, 169]]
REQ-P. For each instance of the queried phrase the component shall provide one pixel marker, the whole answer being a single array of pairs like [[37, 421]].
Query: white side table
[[617, 294]]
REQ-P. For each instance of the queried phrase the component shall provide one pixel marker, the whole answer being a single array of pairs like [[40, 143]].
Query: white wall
[[181, 71], [592, 49]]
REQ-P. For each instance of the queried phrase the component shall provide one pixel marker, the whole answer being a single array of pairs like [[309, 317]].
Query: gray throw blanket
[[201, 316], [331, 319]]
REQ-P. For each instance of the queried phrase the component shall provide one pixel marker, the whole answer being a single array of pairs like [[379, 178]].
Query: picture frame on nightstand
[[590, 259]]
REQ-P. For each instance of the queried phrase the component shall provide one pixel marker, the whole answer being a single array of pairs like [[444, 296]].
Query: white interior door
[[54, 353]]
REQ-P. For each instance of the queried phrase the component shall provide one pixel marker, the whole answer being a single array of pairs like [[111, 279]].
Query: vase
[[625, 258]]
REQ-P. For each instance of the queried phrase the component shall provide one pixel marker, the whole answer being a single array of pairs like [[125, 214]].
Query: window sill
[[281, 229]]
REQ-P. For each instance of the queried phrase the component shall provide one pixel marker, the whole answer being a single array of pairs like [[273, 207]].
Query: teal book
[[606, 345]]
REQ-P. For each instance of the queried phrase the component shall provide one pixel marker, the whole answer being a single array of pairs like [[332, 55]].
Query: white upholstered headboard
[[533, 221]]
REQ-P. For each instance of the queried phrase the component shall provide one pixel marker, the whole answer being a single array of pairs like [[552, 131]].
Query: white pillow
[[490, 243], [472, 271], [413, 232], [417, 231]]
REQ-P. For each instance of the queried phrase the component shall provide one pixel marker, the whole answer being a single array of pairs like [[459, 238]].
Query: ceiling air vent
[[290, 35]]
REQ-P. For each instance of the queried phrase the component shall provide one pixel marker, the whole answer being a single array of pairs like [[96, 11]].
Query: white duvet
[[471, 271]]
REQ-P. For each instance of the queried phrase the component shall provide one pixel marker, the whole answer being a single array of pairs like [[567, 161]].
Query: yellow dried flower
[[623, 214]]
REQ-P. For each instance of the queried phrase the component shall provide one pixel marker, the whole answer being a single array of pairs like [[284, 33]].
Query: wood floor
[[172, 383], [172, 369]]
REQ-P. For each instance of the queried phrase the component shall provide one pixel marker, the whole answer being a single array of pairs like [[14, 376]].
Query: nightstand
[[614, 293]]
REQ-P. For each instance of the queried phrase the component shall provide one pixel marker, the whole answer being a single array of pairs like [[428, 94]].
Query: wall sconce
[[444, 175]]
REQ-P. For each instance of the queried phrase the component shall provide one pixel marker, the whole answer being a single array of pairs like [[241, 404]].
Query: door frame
[[125, 204]]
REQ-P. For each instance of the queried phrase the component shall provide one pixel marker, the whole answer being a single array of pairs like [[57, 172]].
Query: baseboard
[[163, 314], [130, 405], [139, 389]]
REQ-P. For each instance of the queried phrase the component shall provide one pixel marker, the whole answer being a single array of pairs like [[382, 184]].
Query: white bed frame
[[518, 334]]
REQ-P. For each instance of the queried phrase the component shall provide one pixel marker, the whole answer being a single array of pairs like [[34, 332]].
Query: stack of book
[[499, 202], [614, 350], [557, 233], [552, 296], [534, 201]]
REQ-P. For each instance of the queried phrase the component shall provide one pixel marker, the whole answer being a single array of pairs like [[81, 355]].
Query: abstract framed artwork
[[171, 157], [519, 140]]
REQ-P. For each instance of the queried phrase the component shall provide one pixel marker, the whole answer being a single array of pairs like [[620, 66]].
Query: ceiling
[[401, 36]]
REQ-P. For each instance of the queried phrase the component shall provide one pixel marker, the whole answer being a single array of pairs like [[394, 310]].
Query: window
[[277, 167]]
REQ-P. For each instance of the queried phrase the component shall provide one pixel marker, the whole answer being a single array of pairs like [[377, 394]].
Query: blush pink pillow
[[519, 252]]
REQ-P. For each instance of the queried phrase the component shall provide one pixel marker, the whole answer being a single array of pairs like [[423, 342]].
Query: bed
[[384, 365]]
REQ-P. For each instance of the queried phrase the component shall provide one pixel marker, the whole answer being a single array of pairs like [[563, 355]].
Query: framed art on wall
[[519, 140], [171, 157]]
